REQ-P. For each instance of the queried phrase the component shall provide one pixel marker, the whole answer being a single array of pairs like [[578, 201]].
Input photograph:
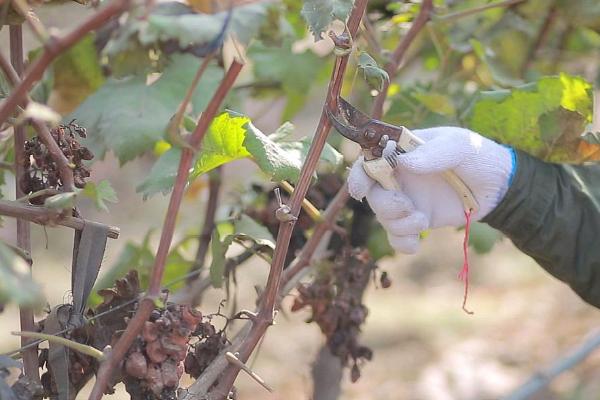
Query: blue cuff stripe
[[513, 156]]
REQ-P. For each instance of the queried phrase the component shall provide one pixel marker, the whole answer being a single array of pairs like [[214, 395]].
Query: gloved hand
[[426, 200]]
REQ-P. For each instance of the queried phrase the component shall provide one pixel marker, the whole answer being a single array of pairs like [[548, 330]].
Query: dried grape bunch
[[154, 362], [40, 169], [208, 346], [335, 299]]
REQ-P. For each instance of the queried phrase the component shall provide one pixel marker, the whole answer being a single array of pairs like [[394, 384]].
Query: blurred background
[[425, 346]]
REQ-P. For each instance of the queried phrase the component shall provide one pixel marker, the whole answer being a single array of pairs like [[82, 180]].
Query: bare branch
[[398, 55], [543, 378], [475, 10], [146, 305], [66, 173], [32, 20], [30, 358], [45, 216], [201, 386]]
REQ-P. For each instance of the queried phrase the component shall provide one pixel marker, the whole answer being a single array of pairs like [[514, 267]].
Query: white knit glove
[[426, 200]]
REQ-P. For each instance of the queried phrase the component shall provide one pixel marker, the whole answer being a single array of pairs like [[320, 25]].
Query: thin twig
[[475, 10], [540, 38], [146, 305], [398, 55], [543, 378], [30, 358], [214, 187], [54, 47], [264, 317], [312, 211], [66, 173], [32, 20], [45, 216], [80, 347], [175, 123]]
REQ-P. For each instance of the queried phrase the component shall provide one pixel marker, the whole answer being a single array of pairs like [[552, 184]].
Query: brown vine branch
[[53, 48], [32, 20], [146, 305], [214, 187], [304, 258], [66, 173], [201, 386], [398, 55], [30, 358], [475, 10], [540, 38], [264, 317], [45, 216]]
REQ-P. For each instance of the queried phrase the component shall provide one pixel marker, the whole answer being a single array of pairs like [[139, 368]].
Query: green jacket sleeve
[[552, 213]]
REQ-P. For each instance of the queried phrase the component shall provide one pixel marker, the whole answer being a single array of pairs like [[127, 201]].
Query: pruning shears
[[373, 136]]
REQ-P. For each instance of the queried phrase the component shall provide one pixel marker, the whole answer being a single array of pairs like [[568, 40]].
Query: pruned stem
[[80, 347]]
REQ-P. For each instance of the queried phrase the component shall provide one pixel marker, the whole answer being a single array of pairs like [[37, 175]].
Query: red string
[[464, 272]]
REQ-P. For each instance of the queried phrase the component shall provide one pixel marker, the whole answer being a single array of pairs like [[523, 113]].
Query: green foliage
[[77, 73], [232, 137], [128, 116], [319, 14], [175, 21], [100, 193], [294, 72], [16, 284], [536, 116], [375, 76]]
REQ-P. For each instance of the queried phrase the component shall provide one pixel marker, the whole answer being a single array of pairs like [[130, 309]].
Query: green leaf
[[223, 143], [548, 114], [217, 264], [295, 72], [437, 102], [128, 116], [77, 74], [483, 237], [299, 150], [488, 58], [320, 13], [61, 201], [375, 76], [191, 28], [271, 158], [243, 227], [16, 284], [231, 137], [100, 193], [246, 227]]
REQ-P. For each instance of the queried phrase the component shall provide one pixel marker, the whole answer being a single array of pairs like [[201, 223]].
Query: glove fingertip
[[359, 183]]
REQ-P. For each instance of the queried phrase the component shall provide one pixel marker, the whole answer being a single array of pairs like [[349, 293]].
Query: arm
[[551, 212]]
